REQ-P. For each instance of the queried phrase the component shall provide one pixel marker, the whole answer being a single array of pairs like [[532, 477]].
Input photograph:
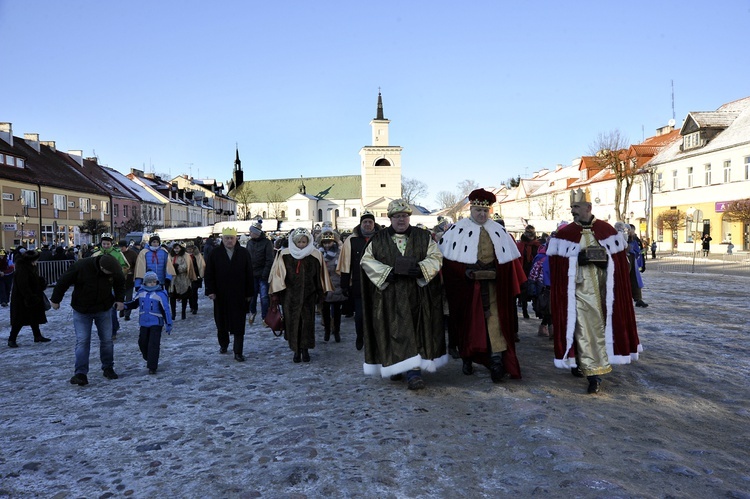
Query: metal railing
[[51, 270], [696, 263]]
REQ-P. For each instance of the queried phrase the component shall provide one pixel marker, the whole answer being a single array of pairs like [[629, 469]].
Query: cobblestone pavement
[[674, 424]]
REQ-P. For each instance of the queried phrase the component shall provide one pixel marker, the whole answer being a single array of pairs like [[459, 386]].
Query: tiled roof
[[343, 187], [46, 167]]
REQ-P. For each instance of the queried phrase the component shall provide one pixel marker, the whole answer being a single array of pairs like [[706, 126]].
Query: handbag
[[47, 304], [274, 318]]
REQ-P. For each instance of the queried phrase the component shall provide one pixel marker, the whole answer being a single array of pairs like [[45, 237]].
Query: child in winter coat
[[154, 315]]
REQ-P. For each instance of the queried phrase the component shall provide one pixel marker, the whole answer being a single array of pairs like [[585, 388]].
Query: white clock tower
[[381, 165]]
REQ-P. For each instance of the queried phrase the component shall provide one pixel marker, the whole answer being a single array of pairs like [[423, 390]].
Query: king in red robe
[[482, 274]]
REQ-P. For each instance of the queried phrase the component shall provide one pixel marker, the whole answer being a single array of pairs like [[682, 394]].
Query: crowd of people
[[408, 289]]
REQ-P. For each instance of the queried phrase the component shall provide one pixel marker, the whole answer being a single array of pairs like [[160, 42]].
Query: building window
[[283, 214], [125, 211], [115, 210], [727, 171], [84, 204], [297, 212], [105, 207], [691, 140], [689, 229], [747, 167], [690, 176], [354, 212], [674, 180], [659, 180], [28, 198], [382, 185], [60, 202], [320, 215], [708, 174]]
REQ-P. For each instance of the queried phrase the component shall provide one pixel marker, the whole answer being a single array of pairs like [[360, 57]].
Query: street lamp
[[23, 220]]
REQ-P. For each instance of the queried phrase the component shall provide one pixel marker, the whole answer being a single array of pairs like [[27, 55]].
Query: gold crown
[[327, 236], [580, 196], [228, 231], [482, 203]]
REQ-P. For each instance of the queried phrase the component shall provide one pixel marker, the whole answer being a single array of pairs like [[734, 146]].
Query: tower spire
[[237, 162], [380, 106]]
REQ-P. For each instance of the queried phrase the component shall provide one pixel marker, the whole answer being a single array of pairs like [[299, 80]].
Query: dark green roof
[[343, 187]]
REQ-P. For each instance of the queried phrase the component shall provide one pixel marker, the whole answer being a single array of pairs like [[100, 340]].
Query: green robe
[[403, 323]]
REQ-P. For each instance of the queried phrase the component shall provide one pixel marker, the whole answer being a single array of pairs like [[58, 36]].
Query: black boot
[[12, 343], [305, 355], [594, 383], [297, 357], [497, 370], [337, 328], [337, 335], [468, 367], [360, 342]]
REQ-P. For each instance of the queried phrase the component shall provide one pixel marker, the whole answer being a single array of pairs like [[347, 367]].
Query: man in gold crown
[[230, 285], [591, 302], [483, 275], [402, 301]]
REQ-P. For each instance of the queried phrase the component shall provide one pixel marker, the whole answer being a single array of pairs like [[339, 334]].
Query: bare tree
[[275, 202], [674, 220], [449, 201], [550, 206], [412, 189], [245, 197], [738, 211], [610, 150], [466, 186]]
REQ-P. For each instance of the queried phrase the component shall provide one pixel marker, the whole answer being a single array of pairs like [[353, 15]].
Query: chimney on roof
[[77, 156], [50, 144], [32, 139], [93, 159], [6, 132], [665, 129], [136, 172]]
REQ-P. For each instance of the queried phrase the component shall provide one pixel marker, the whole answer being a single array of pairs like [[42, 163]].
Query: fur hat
[[256, 229], [150, 276], [398, 206], [367, 215], [154, 237]]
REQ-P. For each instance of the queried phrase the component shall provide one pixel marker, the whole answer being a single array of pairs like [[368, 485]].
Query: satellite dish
[[672, 122]]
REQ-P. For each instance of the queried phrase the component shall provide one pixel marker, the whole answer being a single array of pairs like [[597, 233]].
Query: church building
[[340, 200]]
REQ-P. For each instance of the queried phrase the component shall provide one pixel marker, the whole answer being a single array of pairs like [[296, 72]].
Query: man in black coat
[[229, 284], [349, 266], [261, 254], [98, 285]]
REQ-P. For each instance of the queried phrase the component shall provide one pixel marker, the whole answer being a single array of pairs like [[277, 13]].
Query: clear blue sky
[[480, 90]]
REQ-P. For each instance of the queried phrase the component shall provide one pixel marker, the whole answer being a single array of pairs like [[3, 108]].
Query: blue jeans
[[261, 288], [82, 324]]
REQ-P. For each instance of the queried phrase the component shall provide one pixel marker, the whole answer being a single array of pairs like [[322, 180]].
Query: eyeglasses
[[401, 215]]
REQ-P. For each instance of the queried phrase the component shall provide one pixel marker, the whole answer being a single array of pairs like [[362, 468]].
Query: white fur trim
[[460, 243], [406, 365]]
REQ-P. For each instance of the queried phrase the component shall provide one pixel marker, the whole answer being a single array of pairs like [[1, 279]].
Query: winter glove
[[391, 277], [169, 329], [415, 272]]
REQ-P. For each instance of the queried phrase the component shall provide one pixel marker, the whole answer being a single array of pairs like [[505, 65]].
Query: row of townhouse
[[48, 196], [696, 170]]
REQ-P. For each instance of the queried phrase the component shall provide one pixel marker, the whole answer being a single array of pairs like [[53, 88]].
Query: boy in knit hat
[[154, 314]]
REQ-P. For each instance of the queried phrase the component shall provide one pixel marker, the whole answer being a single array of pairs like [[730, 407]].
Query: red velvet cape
[[467, 316]]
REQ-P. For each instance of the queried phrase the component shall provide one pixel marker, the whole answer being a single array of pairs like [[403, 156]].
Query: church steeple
[[237, 176], [379, 115]]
